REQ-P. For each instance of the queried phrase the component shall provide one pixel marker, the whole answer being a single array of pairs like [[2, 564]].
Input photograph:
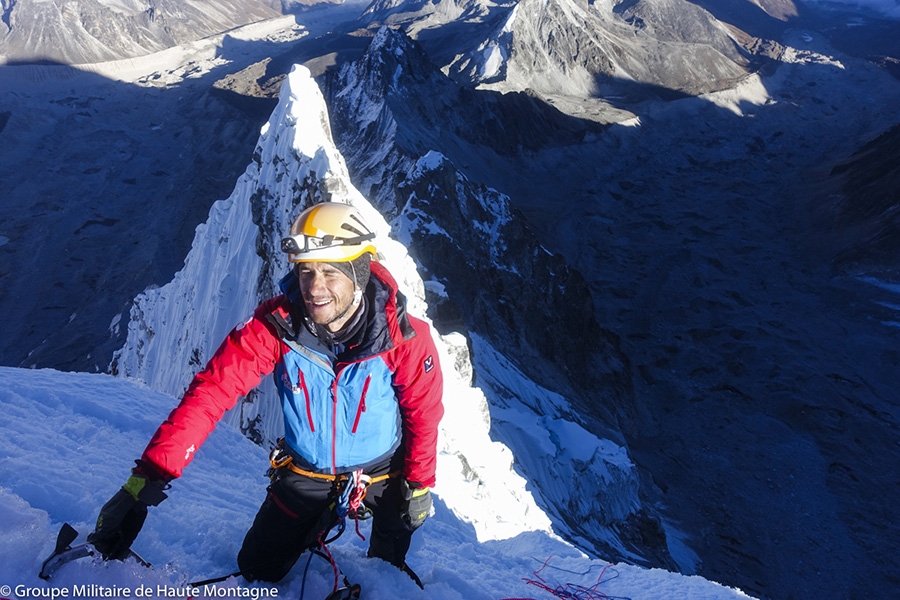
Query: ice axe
[[65, 552]]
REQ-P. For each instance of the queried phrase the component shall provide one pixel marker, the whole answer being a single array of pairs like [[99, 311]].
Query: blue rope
[[305, 571]]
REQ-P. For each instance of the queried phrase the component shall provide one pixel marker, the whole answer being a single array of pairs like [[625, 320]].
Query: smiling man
[[360, 389], [327, 294]]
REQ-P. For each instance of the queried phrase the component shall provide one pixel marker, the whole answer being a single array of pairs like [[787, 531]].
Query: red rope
[[360, 484], [569, 591], [334, 566]]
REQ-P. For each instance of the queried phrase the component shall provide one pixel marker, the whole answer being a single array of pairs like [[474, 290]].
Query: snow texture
[[68, 440]]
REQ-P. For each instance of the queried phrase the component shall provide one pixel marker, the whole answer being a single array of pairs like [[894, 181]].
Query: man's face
[[327, 294]]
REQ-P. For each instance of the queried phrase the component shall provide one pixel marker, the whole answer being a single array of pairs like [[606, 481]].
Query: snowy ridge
[[234, 261], [234, 264], [579, 473]]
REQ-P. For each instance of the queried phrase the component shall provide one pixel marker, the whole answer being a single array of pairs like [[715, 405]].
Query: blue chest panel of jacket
[[338, 422]]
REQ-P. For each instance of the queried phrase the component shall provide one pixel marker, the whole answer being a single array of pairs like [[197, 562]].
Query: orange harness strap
[[287, 461]]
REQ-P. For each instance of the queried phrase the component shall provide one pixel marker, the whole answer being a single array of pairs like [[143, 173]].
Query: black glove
[[122, 517], [415, 505]]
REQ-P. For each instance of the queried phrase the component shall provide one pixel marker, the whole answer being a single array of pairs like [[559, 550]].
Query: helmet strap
[[357, 292]]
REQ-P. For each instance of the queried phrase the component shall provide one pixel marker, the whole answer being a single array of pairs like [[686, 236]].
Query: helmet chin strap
[[357, 293], [357, 297]]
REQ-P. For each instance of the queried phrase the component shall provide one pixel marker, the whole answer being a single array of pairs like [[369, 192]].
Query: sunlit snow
[[67, 444]]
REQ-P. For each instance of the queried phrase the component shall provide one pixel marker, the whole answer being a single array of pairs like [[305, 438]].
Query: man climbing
[[360, 388]]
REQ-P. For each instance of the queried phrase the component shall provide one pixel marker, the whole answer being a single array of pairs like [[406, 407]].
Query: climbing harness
[[353, 485], [351, 489], [281, 458]]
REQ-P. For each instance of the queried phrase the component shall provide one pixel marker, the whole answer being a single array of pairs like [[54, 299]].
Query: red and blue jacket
[[341, 412]]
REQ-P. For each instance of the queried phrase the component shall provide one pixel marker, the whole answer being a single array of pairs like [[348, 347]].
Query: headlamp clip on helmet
[[291, 244], [318, 234]]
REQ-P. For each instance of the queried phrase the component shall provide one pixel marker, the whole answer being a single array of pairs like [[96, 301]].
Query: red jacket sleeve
[[247, 354], [419, 384]]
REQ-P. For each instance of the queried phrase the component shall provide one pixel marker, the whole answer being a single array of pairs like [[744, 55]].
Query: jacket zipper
[[334, 406], [362, 404], [306, 395]]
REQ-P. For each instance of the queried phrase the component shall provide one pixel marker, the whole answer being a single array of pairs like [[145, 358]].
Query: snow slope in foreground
[[69, 439]]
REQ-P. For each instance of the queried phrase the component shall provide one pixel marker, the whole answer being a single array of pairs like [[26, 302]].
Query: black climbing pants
[[297, 509]]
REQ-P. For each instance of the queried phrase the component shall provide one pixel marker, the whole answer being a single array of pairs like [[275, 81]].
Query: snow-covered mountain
[[91, 31], [606, 48], [684, 284]]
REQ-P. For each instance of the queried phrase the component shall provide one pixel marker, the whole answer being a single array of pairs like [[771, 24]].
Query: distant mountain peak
[[90, 31], [647, 48]]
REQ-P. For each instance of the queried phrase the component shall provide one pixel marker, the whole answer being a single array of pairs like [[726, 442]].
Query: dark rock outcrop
[[866, 214]]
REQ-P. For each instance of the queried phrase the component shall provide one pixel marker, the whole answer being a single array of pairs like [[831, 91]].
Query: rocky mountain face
[[630, 50], [391, 106], [862, 216], [495, 279], [91, 31]]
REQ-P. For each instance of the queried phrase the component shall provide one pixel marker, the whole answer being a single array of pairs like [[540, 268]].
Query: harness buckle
[[278, 457]]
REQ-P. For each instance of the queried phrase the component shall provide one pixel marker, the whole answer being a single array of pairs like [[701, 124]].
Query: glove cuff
[[417, 492], [150, 471], [143, 490], [412, 489]]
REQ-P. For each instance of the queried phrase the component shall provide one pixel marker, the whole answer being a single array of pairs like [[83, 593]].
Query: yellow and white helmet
[[328, 232]]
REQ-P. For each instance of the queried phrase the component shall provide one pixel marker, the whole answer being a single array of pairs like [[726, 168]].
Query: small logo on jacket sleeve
[[429, 363]]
